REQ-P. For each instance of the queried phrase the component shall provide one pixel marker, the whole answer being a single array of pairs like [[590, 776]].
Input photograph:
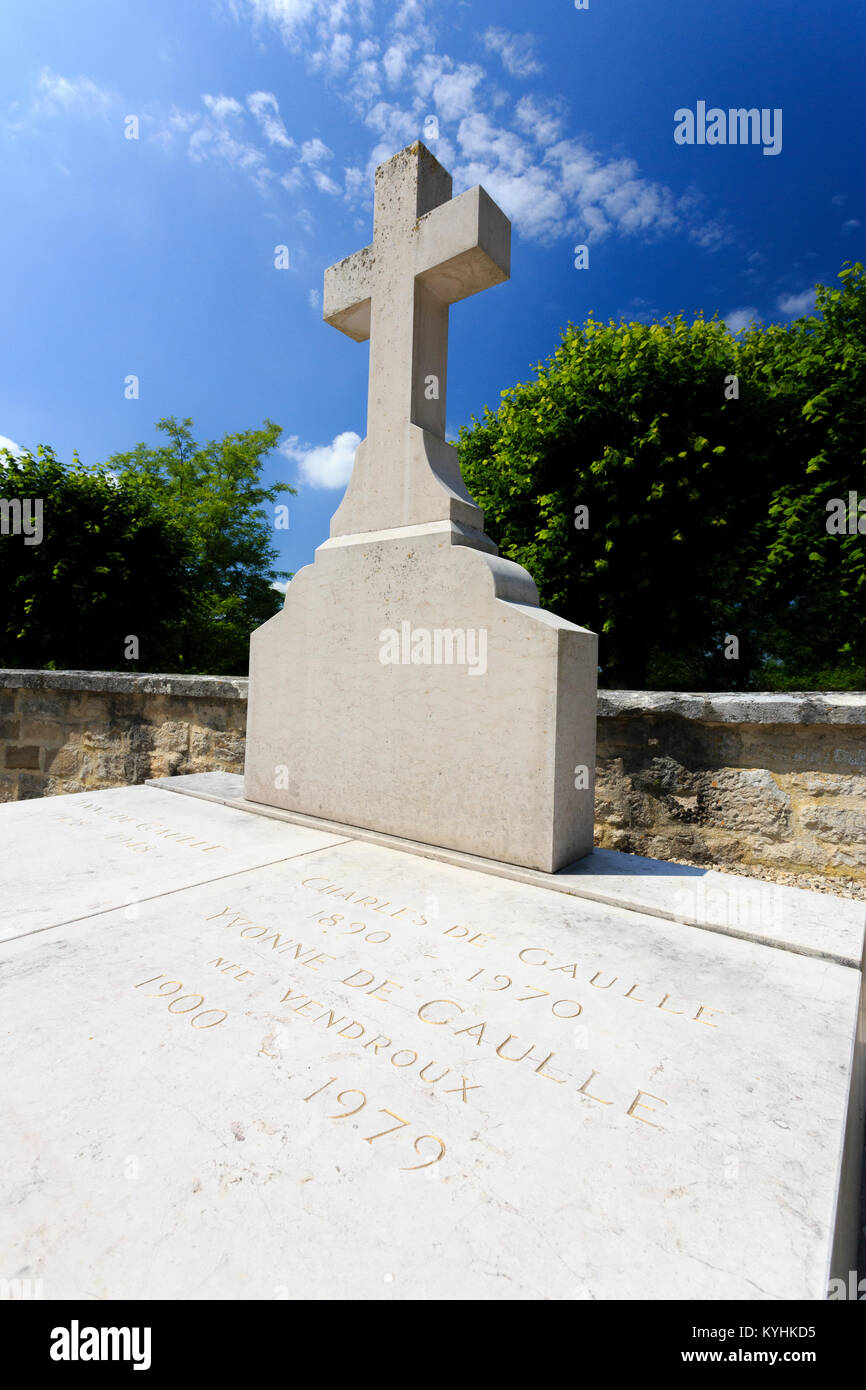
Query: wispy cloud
[[738, 319], [552, 186], [265, 109], [797, 305], [517, 51], [78, 94]]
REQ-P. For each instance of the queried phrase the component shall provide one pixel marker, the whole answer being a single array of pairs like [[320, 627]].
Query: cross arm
[[464, 246], [346, 300]]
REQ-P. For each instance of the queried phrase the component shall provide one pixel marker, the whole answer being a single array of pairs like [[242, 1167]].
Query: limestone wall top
[[707, 707]]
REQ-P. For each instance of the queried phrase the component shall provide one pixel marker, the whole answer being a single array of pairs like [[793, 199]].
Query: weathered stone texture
[[63, 731], [729, 780], [782, 796]]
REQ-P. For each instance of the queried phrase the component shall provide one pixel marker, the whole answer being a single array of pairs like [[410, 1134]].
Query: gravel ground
[[840, 887]]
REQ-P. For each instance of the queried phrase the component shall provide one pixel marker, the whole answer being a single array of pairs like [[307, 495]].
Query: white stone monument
[[412, 685], [252, 1052]]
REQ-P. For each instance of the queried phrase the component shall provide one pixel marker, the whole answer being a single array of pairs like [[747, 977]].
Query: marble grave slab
[[358, 1073]]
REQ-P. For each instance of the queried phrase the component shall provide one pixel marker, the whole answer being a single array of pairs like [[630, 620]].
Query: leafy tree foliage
[[110, 565], [214, 493], [168, 544], [707, 515]]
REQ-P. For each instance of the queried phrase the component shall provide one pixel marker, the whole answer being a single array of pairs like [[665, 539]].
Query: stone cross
[[428, 252]]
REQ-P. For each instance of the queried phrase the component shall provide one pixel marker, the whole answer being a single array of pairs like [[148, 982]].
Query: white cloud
[[515, 50], [797, 305], [538, 120], [266, 110], [56, 93], [357, 186], [7, 443], [215, 142], [851, 224], [281, 585], [454, 92], [287, 15], [410, 12], [329, 465], [314, 151], [222, 107], [324, 184], [394, 125], [397, 56], [552, 187], [315, 299], [571, 191], [738, 319]]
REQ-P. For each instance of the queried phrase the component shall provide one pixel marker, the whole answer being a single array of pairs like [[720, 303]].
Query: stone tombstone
[[412, 685]]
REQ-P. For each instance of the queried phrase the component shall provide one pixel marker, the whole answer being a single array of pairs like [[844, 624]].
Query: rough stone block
[[22, 756]]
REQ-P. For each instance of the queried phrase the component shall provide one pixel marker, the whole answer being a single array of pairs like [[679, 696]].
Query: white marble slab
[[794, 919], [178, 1093], [67, 857]]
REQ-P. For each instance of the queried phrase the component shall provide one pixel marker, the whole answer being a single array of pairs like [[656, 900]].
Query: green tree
[[171, 545], [110, 565], [214, 492], [707, 514]]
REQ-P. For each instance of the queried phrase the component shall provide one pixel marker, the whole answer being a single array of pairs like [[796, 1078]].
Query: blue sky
[[260, 124]]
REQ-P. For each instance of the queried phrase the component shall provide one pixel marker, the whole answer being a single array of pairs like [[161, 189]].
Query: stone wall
[[774, 782], [763, 781], [74, 731]]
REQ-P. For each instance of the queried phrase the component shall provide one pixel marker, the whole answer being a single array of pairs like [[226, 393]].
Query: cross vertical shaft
[[428, 252]]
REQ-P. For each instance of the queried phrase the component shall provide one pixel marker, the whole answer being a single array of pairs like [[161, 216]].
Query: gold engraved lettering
[[523, 954], [311, 964], [440, 1154], [607, 986], [404, 1052], [378, 1044], [431, 1081], [584, 1092], [237, 917], [350, 979], [541, 1072], [668, 1011], [299, 1009], [429, 1005], [374, 993], [275, 939], [463, 1088], [706, 1008], [637, 998], [637, 1104], [472, 1029], [344, 1032], [566, 970], [401, 1125], [329, 1013], [290, 994], [504, 1043], [305, 883], [554, 1007]]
